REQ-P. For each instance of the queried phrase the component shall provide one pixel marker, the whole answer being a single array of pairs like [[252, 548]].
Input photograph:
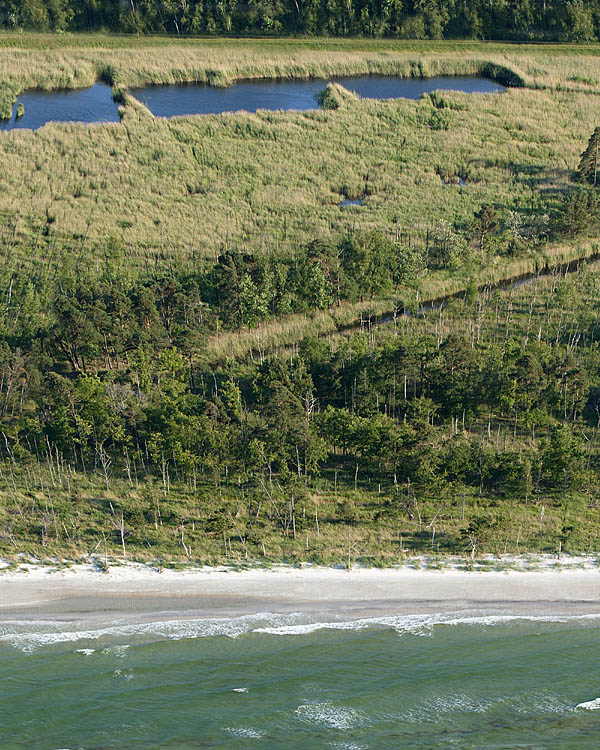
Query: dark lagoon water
[[199, 99], [96, 103], [407, 682], [81, 105]]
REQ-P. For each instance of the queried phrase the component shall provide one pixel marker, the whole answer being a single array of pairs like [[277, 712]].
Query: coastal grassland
[[269, 181], [180, 191], [70, 515]]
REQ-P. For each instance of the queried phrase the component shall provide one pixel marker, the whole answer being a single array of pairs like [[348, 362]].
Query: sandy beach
[[139, 593]]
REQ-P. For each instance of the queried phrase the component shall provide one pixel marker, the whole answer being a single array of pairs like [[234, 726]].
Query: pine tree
[[589, 162]]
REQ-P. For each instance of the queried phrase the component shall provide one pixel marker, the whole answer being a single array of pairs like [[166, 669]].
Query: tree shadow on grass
[[543, 178]]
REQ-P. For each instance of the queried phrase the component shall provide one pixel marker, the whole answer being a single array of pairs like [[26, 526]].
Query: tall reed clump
[[8, 96], [334, 96]]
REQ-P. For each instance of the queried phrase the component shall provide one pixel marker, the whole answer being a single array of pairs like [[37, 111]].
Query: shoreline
[[139, 593]]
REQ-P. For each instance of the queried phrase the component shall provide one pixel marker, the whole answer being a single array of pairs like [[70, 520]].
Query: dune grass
[[73, 515]]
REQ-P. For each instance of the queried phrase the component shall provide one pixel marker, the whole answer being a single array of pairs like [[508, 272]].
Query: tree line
[[103, 376], [108, 368], [564, 20]]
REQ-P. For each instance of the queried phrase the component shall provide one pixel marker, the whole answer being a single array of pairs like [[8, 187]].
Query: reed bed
[[72, 61], [269, 181], [184, 189]]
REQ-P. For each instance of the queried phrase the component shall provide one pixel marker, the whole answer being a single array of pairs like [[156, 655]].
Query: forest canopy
[[554, 20]]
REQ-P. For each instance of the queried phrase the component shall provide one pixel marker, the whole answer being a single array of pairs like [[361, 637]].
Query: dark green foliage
[[415, 19], [589, 163], [485, 221], [104, 378], [577, 213], [328, 99]]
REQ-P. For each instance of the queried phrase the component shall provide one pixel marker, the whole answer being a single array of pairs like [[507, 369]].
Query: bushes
[[577, 213], [8, 95]]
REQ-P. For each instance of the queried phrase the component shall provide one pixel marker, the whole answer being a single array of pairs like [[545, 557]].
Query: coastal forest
[[351, 334], [554, 20]]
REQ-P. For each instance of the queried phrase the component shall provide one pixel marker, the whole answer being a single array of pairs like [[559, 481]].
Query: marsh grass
[[335, 96], [271, 180], [268, 182]]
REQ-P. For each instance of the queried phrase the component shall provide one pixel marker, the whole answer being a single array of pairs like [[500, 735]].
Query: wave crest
[[31, 636]]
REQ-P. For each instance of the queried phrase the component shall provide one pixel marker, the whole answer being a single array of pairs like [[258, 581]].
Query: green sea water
[[467, 680]]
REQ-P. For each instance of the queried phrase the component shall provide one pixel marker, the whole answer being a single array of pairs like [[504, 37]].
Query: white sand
[[137, 591]]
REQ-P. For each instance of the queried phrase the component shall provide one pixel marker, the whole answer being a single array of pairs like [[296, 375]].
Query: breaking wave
[[30, 636]]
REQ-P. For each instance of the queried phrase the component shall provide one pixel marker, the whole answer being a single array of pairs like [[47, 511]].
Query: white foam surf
[[330, 716], [590, 705], [247, 732], [29, 637], [419, 624]]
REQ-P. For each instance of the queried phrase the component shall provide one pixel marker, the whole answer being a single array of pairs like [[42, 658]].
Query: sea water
[[461, 680]]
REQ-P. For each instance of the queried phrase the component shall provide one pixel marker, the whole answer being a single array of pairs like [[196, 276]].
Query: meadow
[[189, 186]]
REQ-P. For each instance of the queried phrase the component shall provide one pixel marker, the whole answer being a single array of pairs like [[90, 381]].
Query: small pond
[[199, 99], [81, 105], [96, 103]]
